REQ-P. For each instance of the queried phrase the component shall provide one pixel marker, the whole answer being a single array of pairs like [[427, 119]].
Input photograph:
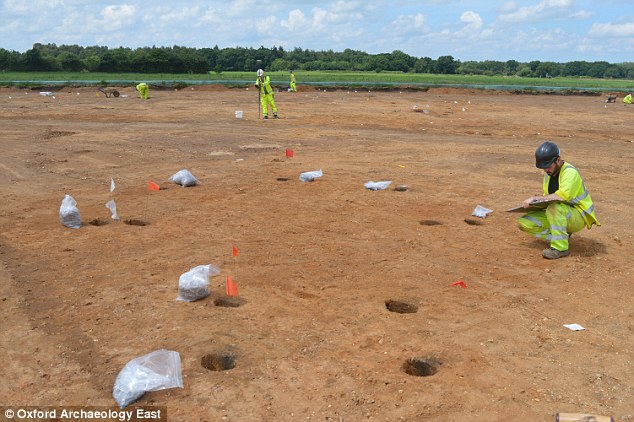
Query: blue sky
[[523, 30]]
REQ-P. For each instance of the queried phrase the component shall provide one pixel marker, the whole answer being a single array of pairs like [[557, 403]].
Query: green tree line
[[74, 58]]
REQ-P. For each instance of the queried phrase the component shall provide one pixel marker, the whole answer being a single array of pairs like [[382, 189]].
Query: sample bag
[[377, 185], [184, 178], [155, 371], [481, 212], [309, 176], [194, 284], [113, 209], [69, 213]]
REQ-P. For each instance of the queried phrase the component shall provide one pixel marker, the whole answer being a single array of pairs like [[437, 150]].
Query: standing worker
[[293, 82], [144, 90], [263, 83], [572, 210]]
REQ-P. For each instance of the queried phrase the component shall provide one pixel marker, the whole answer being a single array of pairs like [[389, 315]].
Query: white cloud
[[265, 24], [612, 30], [549, 37], [344, 36], [186, 14], [543, 9], [117, 13], [508, 7], [320, 18], [296, 20], [344, 7], [240, 8], [340, 17], [114, 18], [24, 7], [403, 25], [534, 43], [211, 16], [582, 15], [473, 24], [558, 3]]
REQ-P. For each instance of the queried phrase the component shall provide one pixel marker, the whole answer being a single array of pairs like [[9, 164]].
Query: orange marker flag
[[460, 283], [289, 153], [234, 251], [232, 287], [153, 186]]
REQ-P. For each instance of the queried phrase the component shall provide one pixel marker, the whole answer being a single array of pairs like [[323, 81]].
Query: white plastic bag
[[184, 178], [194, 284], [113, 209], [69, 213], [378, 185], [481, 212], [155, 371], [309, 176]]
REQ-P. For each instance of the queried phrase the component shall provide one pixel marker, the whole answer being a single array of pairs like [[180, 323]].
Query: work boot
[[266, 117], [275, 116], [552, 253]]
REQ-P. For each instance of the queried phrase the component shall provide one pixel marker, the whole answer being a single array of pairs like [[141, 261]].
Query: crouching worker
[[572, 210], [263, 83], [144, 90]]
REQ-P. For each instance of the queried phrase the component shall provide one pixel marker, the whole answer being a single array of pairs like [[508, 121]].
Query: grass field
[[312, 78]]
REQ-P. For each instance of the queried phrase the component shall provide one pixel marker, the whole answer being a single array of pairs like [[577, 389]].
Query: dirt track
[[313, 338]]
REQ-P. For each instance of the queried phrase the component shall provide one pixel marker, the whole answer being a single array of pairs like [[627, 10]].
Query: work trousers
[[266, 100], [554, 224]]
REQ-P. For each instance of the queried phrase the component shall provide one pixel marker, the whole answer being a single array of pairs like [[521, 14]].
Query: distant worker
[[263, 83], [293, 82], [144, 90], [628, 99], [572, 210]]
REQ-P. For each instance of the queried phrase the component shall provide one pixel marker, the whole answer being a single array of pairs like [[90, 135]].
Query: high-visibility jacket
[[628, 99], [574, 192], [265, 86]]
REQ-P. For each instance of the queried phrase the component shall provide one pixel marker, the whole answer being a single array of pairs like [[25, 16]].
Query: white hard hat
[[260, 72]]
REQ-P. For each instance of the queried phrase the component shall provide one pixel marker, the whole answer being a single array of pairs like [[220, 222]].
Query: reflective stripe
[[582, 201], [561, 237], [534, 220], [570, 166], [544, 234], [558, 228], [569, 215], [580, 197]]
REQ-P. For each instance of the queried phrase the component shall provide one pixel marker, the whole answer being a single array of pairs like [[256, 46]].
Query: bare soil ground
[[324, 267]]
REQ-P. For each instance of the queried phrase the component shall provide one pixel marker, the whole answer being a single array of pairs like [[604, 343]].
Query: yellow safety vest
[[265, 87], [574, 193]]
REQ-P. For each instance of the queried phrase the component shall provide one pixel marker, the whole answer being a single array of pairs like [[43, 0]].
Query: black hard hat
[[546, 154]]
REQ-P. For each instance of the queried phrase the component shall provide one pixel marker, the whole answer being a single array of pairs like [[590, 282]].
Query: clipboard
[[535, 206]]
